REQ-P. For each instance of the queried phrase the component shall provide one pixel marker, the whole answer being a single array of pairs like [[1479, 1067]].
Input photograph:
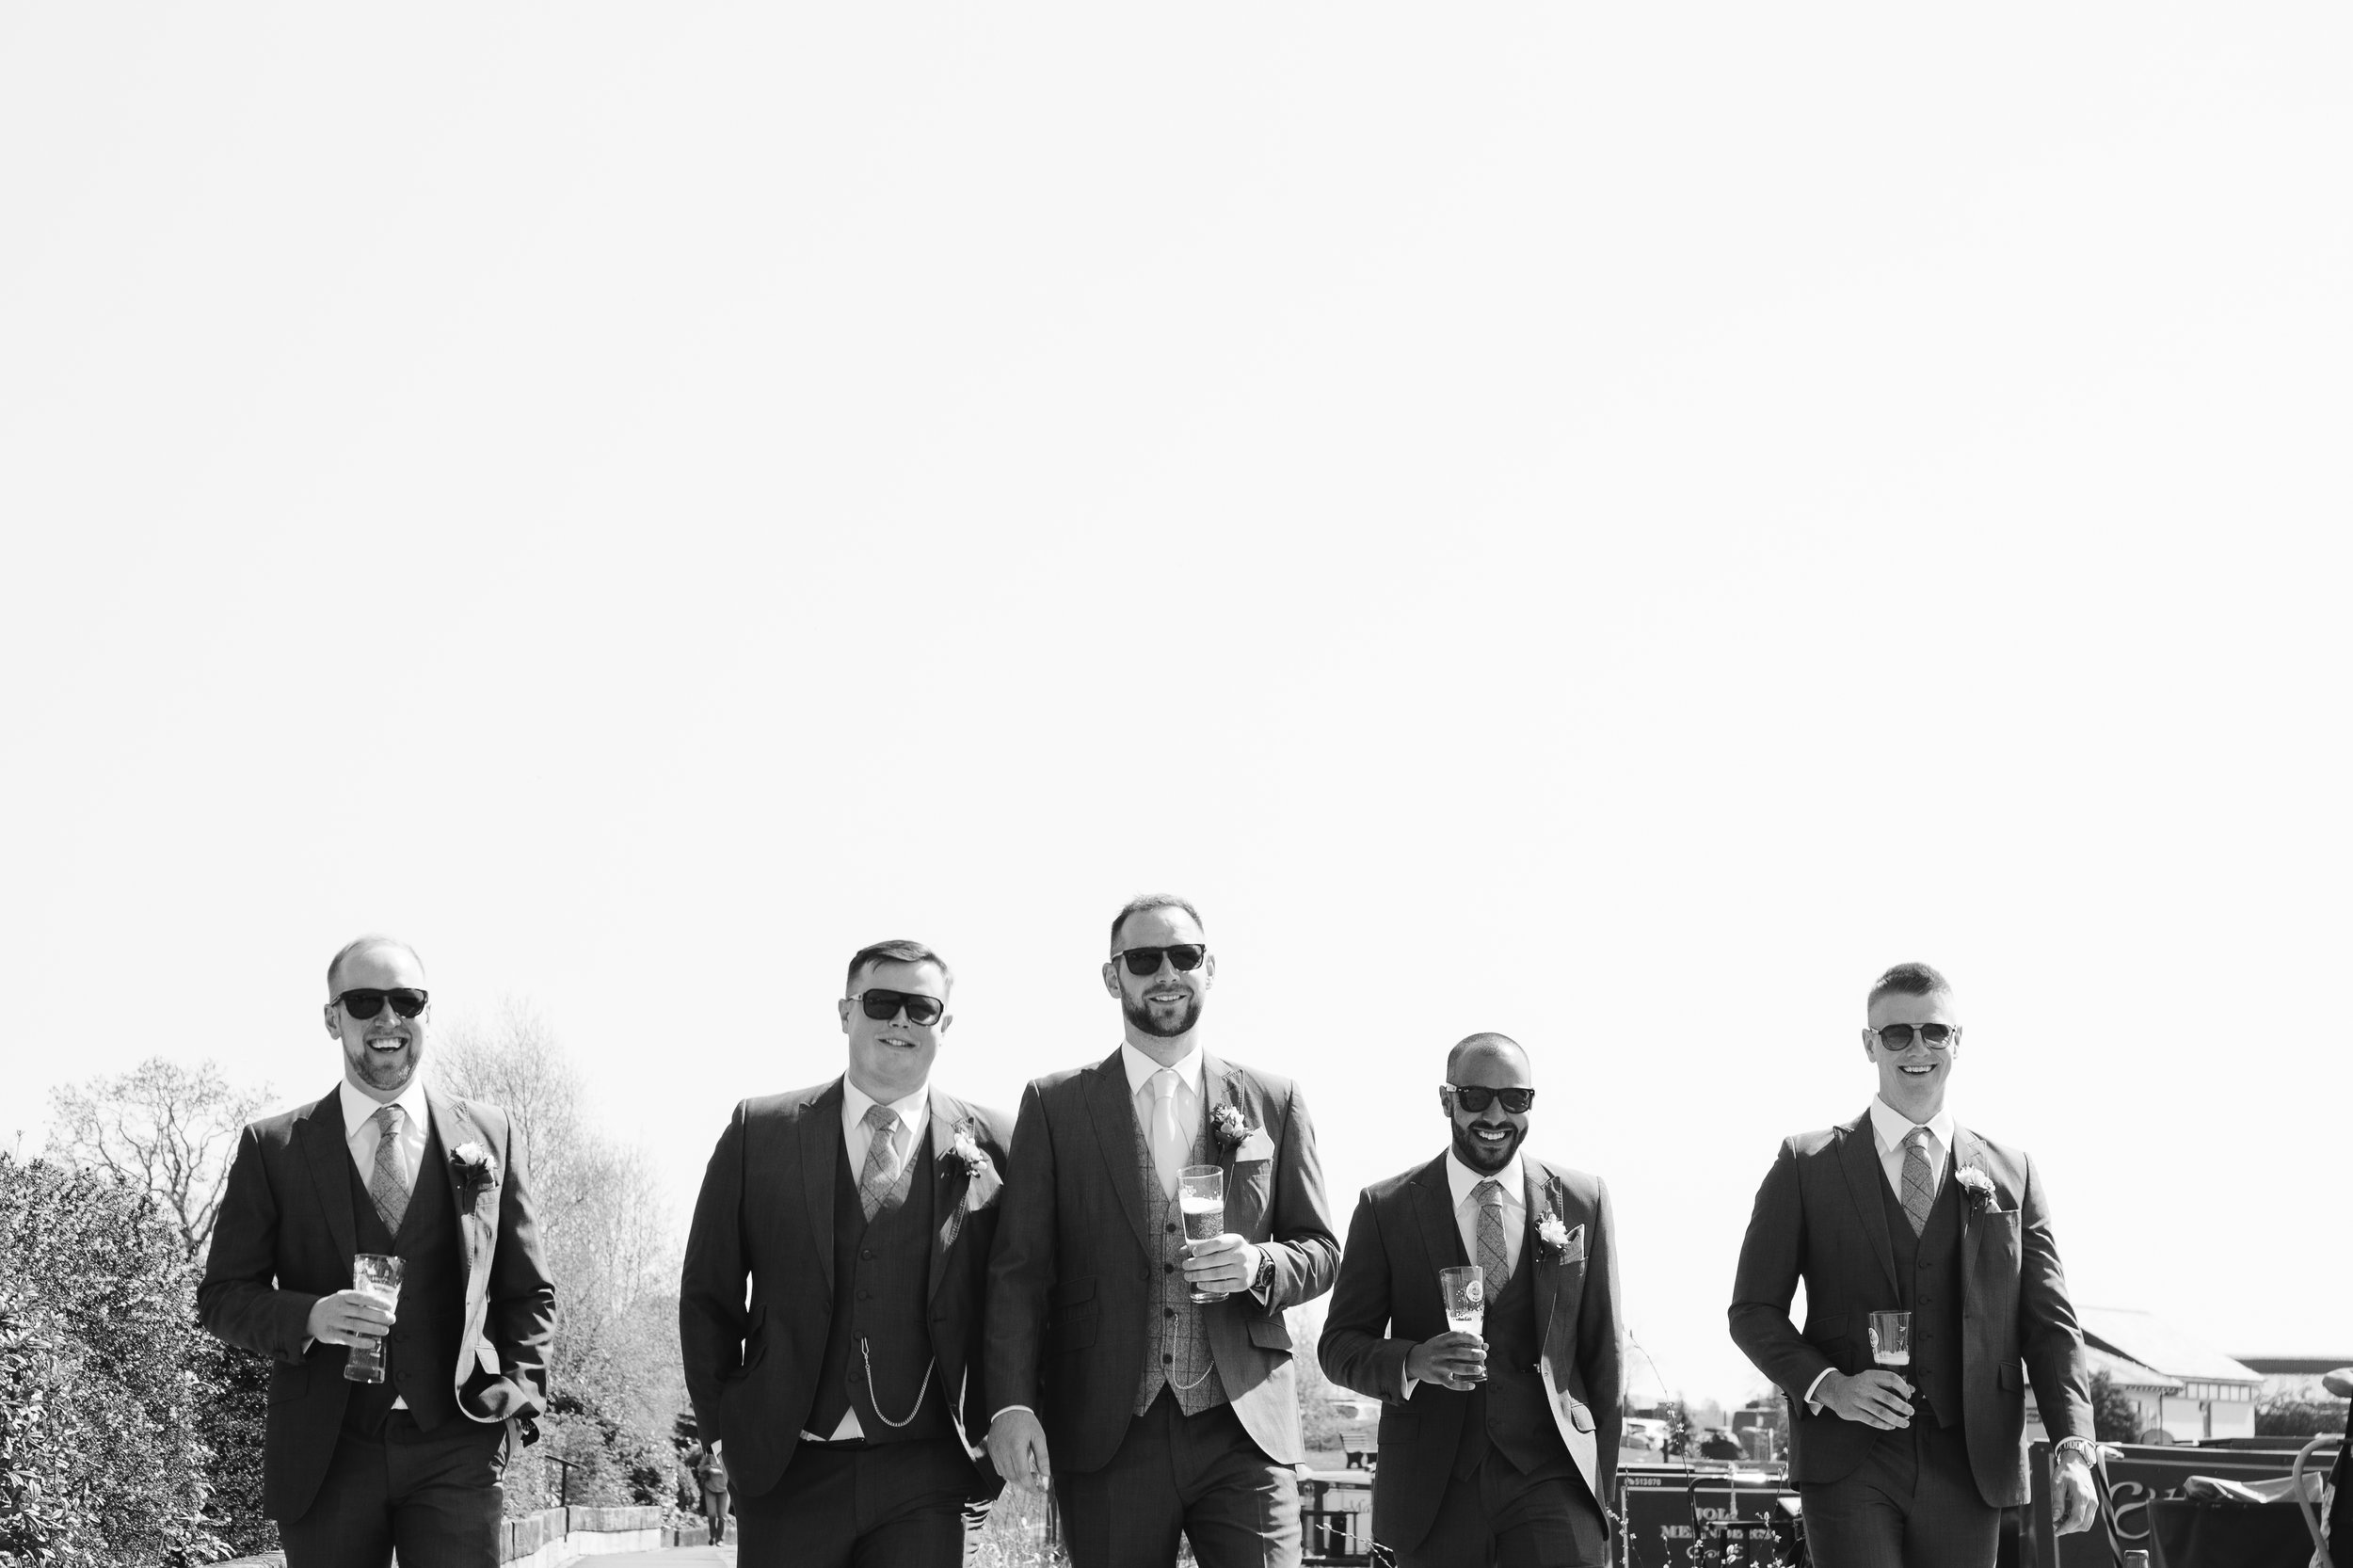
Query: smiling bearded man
[[1903, 1209], [845, 1398], [352, 1471]]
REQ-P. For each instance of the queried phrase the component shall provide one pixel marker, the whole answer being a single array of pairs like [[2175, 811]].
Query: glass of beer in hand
[[377, 1277], [1891, 1338], [1464, 1291], [1201, 1194]]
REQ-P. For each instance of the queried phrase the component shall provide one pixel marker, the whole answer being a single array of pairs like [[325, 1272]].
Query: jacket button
[[1172, 1227], [1168, 1267], [863, 1294], [868, 1253], [1168, 1361], [1168, 1312]]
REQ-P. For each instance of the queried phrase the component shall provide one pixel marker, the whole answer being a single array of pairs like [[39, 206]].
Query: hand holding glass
[[1201, 1194], [377, 1277], [1465, 1293], [1891, 1338]]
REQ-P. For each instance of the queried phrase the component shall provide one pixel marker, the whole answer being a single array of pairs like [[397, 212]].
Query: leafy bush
[[101, 1459], [2114, 1416]]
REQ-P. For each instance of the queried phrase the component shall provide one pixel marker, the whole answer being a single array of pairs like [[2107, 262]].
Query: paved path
[[673, 1557]]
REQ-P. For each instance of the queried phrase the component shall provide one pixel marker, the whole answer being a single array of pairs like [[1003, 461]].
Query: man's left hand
[[2075, 1504], [1225, 1264]]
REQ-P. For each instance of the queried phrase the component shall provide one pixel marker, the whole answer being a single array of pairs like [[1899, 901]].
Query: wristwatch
[[1264, 1279], [2081, 1444]]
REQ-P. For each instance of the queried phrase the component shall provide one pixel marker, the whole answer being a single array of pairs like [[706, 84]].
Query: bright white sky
[[1612, 528]]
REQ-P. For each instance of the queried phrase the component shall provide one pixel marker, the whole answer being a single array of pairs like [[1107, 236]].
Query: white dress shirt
[[1142, 1069], [1889, 1128], [362, 1131], [914, 1114]]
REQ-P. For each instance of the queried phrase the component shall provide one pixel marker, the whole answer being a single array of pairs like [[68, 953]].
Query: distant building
[[2184, 1390], [2296, 1377]]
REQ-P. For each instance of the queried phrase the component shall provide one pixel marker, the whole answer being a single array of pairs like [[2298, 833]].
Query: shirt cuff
[[1012, 1407], [1811, 1403]]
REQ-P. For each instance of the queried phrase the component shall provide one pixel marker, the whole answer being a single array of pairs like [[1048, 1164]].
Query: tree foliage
[[102, 1457], [164, 1129], [2114, 1416]]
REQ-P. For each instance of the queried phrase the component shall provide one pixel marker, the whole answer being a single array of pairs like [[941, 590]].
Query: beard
[[1138, 1012], [1486, 1159], [387, 1070]]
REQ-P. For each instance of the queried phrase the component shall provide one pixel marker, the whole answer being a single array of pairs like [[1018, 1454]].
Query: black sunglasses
[[883, 1006], [1475, 1099], [1935, 1036], [1186, 956], [367, 1001]]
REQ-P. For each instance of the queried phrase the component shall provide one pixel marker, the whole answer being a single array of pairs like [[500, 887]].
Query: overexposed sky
[[1612, 528]]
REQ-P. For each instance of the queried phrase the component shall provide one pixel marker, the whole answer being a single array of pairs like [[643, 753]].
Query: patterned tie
[[385, 1187], [876, 1190], [1919, 1188], [1169, 1143], [1495, 1258]]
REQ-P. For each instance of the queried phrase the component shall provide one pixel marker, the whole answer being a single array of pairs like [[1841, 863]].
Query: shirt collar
[[910, 1109], [1141, 1067], [1461, 1179], [1890, 1126], [358, 1107]]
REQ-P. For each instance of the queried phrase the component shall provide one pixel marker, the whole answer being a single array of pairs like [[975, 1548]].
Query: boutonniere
[[1979, 1186], [982, 1182], [1553, 1234], [1226, 1121], [473, 1168]]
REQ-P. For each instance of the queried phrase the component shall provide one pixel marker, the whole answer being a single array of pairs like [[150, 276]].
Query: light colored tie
[[1495, 1256], [385, 1189], [1169, 1143], [1919, 1187], [875, 1187]]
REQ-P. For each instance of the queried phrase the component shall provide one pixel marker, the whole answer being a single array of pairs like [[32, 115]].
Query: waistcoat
[[1511, 1410], [1175, 1335], [881, 1299], [1928, 1282], [421, 1352]]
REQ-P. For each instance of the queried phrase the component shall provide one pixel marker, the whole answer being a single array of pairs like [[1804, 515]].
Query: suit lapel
[[1114, 1114], [1222, 1085], [1433, 1212], [949, 1181], [819, 1128], [1966, 1153], [1539, 1204], [1858, 1153], [455, 1129], [324, 1134]]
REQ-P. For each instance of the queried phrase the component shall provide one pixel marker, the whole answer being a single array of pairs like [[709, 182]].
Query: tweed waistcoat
[[1511, 1410], [422, 1351], [1928, 1280], [881, 1269], [1176, 1337]]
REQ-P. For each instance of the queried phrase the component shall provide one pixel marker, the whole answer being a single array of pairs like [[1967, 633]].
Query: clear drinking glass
[[1201, 1194], [377, 1277], [1465, 1293], [1891, 1338]]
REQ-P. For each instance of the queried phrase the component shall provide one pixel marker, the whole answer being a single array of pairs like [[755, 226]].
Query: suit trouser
[[1501, 1515], [434, 1495], [884, 1504], [1199, 1476], [1911, 1503]]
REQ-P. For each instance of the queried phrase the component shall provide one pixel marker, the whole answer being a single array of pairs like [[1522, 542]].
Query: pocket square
[[1572, 1248], [1256, 1147]]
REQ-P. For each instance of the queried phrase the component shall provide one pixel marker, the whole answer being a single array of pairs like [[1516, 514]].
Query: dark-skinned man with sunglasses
[[1500, 1446], [1903, 1209], [1145, 1377], [845, 1398], [353, 1470]]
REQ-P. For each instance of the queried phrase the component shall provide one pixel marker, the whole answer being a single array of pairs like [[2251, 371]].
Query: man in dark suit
[[1162, 1415], [382, 1164], [845, 1398], [1500, 1446], [1905, 1210]]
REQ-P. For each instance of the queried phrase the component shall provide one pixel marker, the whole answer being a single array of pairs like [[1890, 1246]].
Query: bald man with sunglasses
[[1147, 1378], [846, 1396], [383, 1164]]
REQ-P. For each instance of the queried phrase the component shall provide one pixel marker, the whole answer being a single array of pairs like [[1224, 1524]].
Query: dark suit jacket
[[1387, 1302], [1072, 1275], [286, 1236], [766, 1213], [1819, 1217]]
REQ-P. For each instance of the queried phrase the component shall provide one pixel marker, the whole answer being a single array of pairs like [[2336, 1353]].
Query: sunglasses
[[1475, 1099], [1934, 1036], [883, 1006], [1186, 956], [366, 1001]]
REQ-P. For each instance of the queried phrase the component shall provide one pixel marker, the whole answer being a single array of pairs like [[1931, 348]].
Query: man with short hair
[[845, 1398], [352, 1471], [1157, 1372], [1500, 1446], [1905, 1210]]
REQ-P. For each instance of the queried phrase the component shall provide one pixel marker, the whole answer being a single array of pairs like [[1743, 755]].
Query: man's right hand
[[348, 1317], [1017, 1446], [1877, 1398], [1456, 1361]]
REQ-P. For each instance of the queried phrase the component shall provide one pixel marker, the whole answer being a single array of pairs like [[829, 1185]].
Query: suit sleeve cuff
[[1811, 1403]]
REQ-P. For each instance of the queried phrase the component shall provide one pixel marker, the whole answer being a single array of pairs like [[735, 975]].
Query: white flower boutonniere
[[1553, 1234], [1979, 1186], [474, 1166], [1226, 1121], [964, 1148]]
